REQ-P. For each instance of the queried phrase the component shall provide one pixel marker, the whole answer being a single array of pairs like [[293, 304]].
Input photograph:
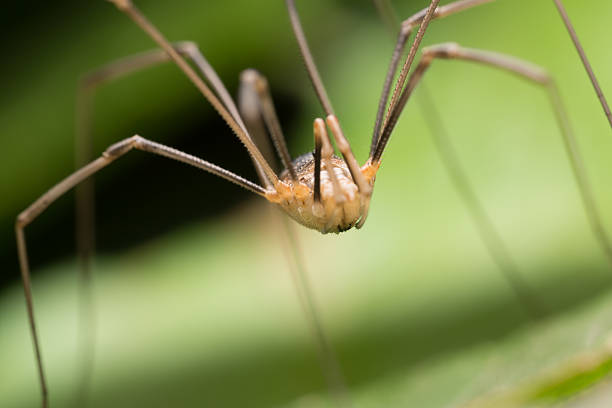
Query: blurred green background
[[195, 305]]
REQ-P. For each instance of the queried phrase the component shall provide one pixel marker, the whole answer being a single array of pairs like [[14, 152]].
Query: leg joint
[[188, 48], [122, 147], [21, 221], [255, 79], [444, 50]]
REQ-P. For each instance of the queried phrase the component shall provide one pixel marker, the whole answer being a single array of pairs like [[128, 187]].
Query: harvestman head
[[318, 190]]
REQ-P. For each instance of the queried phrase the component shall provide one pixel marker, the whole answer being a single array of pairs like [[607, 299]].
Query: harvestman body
[[318, 190]]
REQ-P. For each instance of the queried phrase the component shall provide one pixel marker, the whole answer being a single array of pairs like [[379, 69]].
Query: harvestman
[[318, 190]]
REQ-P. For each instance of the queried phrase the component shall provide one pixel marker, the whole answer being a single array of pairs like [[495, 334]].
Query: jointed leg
[[255, 83], [128, 8], [249, 110], [255, 101], [111, 154], [85, 92], [84, 100], [327, 356], [128, 65], [405, 30], [364, 188], [408, 25], [452, 50], [527, 71], [486, 229], [90, 82], [411, 55], [490, 236], [85, 218]]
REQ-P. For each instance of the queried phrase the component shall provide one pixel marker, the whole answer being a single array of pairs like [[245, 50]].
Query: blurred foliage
[[206, 314]]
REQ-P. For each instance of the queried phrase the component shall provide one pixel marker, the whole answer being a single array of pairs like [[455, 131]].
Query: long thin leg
[[365, 189], [584, 59], [128, 65], [111, 154], [250, 112], [489, 235], [89, 83], [27, 288], [327, 356], [128, 8], [405, 30], [255, 101], [85, 211], [256, 83], [382, 103], [530, 72], [313, 73], [411, 55], [408, 25], [86, 89]]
